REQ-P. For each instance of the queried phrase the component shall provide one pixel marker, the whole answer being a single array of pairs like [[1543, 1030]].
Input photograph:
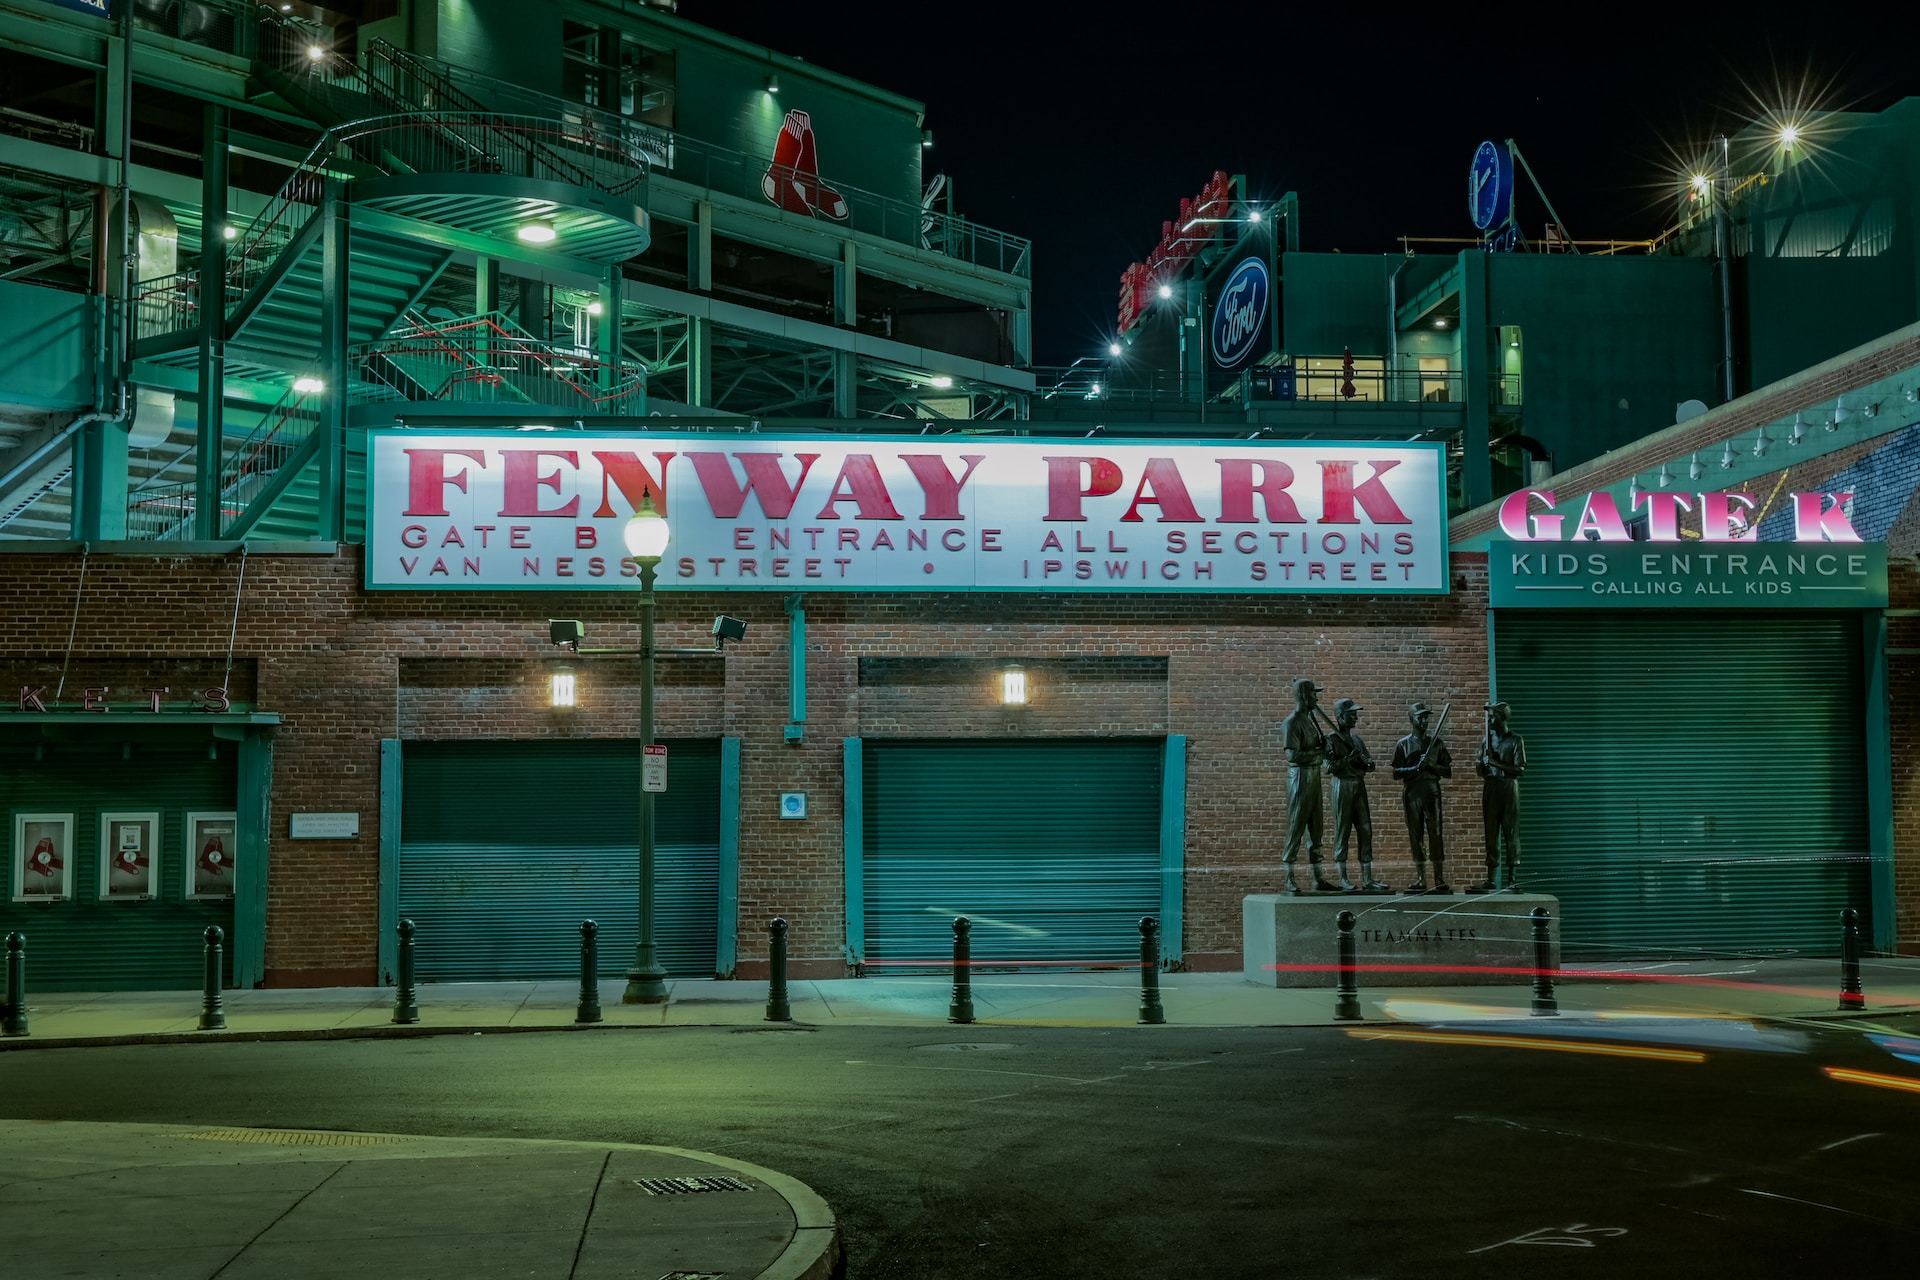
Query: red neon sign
[[1179, 244]]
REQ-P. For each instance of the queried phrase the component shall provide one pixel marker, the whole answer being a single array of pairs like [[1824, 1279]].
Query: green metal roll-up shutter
[[83, 943], [1052, 849], [505, 847], [1696, 782]]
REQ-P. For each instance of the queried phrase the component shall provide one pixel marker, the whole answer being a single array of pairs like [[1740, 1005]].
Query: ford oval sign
[[1240, 314], [1490, 185]]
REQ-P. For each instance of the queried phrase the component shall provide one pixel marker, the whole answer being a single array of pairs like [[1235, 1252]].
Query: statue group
[[1421, 762]]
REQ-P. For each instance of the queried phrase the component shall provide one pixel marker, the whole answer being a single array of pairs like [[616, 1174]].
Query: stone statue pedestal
[[1429, 940]]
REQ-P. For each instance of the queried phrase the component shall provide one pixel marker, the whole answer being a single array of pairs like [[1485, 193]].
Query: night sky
[[1082, 125]]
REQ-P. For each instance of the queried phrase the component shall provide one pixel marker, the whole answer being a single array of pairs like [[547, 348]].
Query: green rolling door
[[1696, 782], [83, 943], [1052, 849], [505, 847]]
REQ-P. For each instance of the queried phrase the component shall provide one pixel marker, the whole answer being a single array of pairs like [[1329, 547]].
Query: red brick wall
[[346, 668]]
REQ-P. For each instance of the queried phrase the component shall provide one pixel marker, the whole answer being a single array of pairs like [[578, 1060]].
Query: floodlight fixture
[[725, 628], [566, 632], [537, 232], [595, 307], [229, 232], [1113, 348], [940, 380], [1253, 215], [1789, 135], [1166, 291], [773, 84], [316, 53]]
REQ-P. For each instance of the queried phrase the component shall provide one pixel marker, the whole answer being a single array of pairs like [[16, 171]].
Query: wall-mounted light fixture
[[560, 689], [773, 84], [1013, 687]]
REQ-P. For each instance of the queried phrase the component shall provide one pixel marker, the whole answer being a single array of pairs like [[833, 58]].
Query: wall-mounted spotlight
[[773, 84], [1728, 458], [1798, 431], [727, 628], [1696, 468], [926, 137], [1761, 443], [1665, 478], [1013, 687], [560, 689]]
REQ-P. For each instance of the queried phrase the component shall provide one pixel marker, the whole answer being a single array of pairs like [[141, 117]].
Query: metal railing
[[400, 77], [427, 142], [487, 359], [1115, 383], [163, 513]]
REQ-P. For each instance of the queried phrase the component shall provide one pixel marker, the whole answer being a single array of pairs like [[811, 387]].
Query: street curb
[[377, 1032]]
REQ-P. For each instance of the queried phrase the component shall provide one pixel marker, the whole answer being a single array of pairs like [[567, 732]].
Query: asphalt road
[[1150, 1152]]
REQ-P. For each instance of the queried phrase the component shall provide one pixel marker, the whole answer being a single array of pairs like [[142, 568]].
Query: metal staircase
[[411, 173]]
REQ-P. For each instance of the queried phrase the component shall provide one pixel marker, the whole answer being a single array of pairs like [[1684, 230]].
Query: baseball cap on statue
[[1345, 705], [1417, 710], [1306, 684]]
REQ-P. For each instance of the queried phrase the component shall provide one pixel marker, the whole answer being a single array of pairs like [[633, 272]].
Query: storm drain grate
[[694, 1275], [292, 1137], [686, 1186]]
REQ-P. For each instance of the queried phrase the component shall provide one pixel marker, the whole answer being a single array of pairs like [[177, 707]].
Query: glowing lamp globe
[[647, 533]]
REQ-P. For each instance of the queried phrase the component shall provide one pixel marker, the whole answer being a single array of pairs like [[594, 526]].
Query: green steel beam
[[390, 826], [853, 847], [727, 957], [211, 365], [252, 803], [335, 303], [1476, 377], [1173, 847], [1882, 918], [796, 667]]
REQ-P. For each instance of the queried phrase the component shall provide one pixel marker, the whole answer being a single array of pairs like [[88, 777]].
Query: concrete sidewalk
[[1776, 989], [286, 1204]]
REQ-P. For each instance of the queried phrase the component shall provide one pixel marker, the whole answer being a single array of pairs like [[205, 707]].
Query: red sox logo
[[44, 860], [213, 857], [793, 179]]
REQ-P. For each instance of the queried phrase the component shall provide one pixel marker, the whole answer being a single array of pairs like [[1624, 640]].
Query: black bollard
[[778, 1007], [1851, 997], [405, 1008], [1346, 999], [213, 1015], [1544, 1005], [1151, 1014], [589, 1010], [13, 1014], [961, 1010]]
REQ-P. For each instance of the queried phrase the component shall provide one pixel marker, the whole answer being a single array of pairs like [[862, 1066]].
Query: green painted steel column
[[486, 301], [610, 325], [253, 831], [1882, 920], [1475, 377], [846, 385], [853, 846], [1173, 845], [390, 828], [846, 286], [212, 366], [99, 509], [700, 248], [727, 953], [329, 458], [700, 362]]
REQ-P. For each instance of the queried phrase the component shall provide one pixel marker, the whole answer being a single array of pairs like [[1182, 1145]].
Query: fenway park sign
[[518, 511]]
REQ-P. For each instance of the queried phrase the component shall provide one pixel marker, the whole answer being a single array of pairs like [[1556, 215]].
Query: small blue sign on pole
[[1490, 185], [98, 8]]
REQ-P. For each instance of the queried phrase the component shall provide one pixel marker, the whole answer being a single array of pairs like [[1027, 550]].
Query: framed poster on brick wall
[[42, 857], [210, 845], [129, 857]]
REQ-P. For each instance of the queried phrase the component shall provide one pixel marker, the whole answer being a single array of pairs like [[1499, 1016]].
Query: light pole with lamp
[[646, 538]]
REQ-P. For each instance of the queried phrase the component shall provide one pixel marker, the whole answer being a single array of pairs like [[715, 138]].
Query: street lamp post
[[646, 538]]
